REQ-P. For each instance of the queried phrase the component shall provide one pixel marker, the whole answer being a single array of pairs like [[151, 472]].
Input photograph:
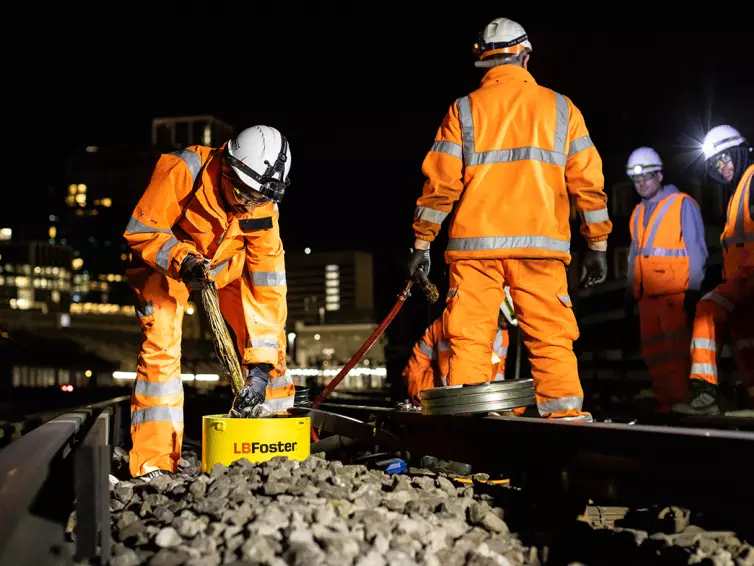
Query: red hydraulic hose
[[432, 295], [364, 347]]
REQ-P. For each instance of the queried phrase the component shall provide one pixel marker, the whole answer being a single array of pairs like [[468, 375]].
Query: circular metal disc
[[476, 398]]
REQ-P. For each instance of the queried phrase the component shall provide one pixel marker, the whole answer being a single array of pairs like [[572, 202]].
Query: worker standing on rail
[[730, 306], [509, 154], [427, 366], [665, 273], [208, 213]]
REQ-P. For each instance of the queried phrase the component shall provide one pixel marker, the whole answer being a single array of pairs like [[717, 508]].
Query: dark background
[[359, 89]]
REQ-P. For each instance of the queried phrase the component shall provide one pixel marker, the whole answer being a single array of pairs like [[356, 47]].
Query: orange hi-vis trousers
[[157, 397], [665, 338], [539, 290], [730, 306]]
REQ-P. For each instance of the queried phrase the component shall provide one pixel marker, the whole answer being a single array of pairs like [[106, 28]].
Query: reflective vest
[[661, 266], [738, 237]]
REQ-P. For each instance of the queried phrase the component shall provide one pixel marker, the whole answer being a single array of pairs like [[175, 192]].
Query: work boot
[[449, 467], [702, 401]]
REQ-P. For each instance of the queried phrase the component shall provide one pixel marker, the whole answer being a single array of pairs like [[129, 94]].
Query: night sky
[[360, 94]]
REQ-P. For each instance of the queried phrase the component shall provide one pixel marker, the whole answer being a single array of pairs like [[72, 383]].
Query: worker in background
[[208, 213], [665, 273], [730, 306], [510, 154], [428, 365]]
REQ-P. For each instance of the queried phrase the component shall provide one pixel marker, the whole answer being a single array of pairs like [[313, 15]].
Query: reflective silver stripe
[[192, 160], [163, 256], [561, 124], [743, 344], [580, 144], [594, 216], [448, 147], [426, 350], [154, 414], [467, 128], [430, 214], [452, 293], [703, 344], [565, 298], [517, 154], [443, 345], [136, 227], [508, 243], [268, 278], [739, 231], [279, 382], [704, 369], [650, 240], [555, 156], [558, 405], [215, 271], [264, 344], [716, 297], [499, 377], [662, 252], [157, 388], [144, 309], [279, 405], [444, 380]]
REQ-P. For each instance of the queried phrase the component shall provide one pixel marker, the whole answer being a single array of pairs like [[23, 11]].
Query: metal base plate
[[478, 398]]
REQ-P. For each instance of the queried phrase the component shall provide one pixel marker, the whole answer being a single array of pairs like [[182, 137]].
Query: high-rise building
[[35, 276], [179, 132], [330, 287]]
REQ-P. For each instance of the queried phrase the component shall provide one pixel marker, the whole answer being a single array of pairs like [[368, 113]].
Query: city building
[[330, 287]]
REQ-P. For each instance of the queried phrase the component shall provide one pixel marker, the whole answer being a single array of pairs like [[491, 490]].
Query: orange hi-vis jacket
[[428, 364], [510, 153], [661, 266], [182, 212], [737, 238]]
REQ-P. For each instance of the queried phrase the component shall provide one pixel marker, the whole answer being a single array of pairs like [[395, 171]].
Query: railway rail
[[64, 466]]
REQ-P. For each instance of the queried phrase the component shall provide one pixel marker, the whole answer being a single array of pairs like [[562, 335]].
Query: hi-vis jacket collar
[[507, 73]]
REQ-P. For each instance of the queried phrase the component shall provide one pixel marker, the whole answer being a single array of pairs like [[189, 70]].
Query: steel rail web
[[634, 463]]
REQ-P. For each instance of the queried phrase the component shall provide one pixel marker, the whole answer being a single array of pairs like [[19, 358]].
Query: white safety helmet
[[506, 307], [643, 160], [721, 138], [501, 36], [261, 158]]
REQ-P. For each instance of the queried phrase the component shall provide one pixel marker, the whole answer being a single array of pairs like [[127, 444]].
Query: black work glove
[[194, 272], [418, 266], [690, 299], [594, 269], [254, 392]]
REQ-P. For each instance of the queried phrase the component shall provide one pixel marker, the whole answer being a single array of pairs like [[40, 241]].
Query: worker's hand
[[254, 392], [194, 272], [594, 269], [418, 266], [690, 299]]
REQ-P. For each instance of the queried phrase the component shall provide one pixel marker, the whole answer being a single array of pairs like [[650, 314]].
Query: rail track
[[698, 464]]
